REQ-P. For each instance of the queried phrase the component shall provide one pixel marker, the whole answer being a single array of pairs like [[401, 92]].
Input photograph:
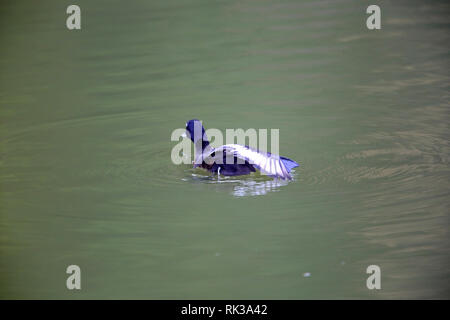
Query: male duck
[[234, 159]]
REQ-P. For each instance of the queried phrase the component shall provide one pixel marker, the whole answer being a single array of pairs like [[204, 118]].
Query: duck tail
[[289, 164]]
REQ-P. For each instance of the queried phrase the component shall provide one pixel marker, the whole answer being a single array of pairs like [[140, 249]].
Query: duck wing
[[267, 163]]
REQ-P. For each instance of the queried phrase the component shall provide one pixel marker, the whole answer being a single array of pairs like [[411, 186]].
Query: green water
[[86, 176]]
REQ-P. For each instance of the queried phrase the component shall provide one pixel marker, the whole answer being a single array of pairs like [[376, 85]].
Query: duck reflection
[[256, 186]]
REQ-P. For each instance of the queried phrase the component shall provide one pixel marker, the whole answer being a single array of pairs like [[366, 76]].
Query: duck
[[235, 159]]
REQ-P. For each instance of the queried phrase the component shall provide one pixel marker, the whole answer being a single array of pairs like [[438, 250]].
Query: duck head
[[196, 132]]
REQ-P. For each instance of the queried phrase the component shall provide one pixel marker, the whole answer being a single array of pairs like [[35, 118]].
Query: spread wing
[[267, 163]]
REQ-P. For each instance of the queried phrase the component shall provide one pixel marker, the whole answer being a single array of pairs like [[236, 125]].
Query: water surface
[[85, 170]]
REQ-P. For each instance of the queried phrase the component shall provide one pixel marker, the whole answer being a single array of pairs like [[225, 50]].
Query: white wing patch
[[267, 164]]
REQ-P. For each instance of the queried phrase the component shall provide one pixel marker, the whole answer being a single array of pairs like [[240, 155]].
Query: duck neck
[[205, 143], [201, 146]]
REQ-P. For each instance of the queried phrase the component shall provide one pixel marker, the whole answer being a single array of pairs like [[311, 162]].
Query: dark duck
[[234, 159]]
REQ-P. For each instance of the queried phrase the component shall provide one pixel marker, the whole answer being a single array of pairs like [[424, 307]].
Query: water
[[85, 170]]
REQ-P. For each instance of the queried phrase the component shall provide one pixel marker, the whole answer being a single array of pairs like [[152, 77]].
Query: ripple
[[254, 184]]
